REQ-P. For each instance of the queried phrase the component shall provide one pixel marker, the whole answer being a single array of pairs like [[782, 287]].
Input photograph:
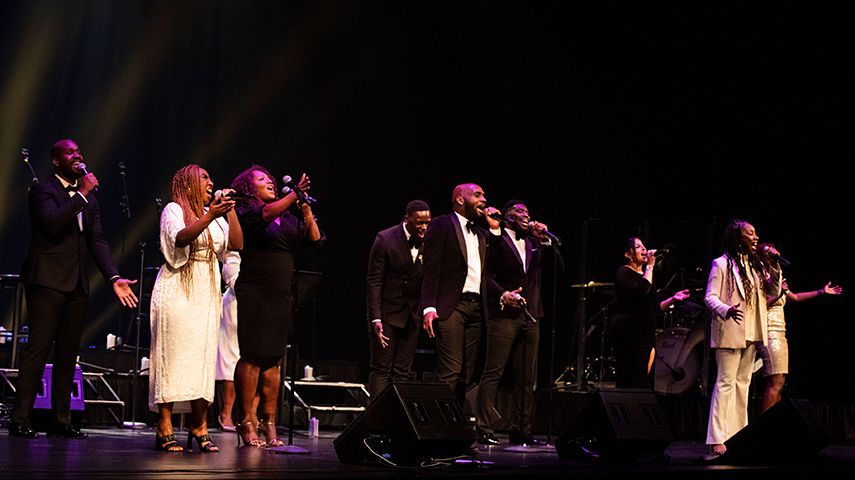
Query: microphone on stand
[[293, 187], [25, 153]]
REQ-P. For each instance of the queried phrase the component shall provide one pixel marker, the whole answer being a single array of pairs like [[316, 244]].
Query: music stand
[[305, 286]]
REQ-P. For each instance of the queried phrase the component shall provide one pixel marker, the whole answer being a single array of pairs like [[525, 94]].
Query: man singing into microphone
[[454, 251], [514, 307], [65, 221]]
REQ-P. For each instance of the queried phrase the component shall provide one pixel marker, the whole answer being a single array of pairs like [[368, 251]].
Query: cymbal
[[592, 284]]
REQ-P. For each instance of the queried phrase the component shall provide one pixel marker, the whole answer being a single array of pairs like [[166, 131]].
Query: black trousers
[[393, 363], [457, 339], [54, 317], [632, 352], [511, 340]]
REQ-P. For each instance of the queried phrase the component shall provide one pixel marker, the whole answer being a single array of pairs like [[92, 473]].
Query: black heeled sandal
[[205, 442], [167, 443]]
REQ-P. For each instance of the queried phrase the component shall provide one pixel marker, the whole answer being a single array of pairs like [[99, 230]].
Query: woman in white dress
[[228, 352], [186, 305]]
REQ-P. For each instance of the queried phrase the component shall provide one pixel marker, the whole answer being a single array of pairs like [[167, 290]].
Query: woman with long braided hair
[[736, 296], [186, 305]]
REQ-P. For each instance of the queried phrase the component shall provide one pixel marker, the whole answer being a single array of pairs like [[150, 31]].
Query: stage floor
[[113, 453]]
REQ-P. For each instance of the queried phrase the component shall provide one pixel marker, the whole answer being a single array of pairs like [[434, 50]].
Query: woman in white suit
[[736, 296]]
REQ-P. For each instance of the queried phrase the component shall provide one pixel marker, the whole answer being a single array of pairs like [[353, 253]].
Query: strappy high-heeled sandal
[[167, 443], [247, 433], [268, 429], [224, 427], [205, 442]]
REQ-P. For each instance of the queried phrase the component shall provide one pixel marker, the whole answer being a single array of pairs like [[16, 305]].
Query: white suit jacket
[[720, 296]]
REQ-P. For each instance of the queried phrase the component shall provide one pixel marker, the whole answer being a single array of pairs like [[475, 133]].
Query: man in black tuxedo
[[394, 284], [514, 308], [65, 224], [454, 253]]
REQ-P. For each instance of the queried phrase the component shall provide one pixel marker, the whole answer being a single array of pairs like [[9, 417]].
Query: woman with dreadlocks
[[186, 305], [274, 233], [736, 297]]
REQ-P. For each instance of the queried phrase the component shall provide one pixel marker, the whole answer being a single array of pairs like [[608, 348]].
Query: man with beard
[[454, 252], [65, 222]]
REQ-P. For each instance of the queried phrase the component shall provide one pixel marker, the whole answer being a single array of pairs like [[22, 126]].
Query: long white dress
[[184, 325]]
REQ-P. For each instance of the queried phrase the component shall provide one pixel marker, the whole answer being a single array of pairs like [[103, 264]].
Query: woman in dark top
[[263, 290], [633, 327]]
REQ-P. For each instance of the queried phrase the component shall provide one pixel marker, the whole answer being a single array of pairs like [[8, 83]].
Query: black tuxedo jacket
[[445, 264], [394, 280], [504, 272], [58, 249]]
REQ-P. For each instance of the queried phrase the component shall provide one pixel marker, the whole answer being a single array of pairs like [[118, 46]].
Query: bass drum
[[678, 359]]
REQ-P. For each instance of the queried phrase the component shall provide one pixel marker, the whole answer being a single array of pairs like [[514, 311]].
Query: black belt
[[470, 297]]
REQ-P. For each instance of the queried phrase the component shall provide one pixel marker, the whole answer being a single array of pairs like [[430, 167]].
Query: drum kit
[[681, 352], [679, 348]]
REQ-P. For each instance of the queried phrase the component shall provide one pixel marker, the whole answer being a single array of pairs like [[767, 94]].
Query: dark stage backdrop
[[664, 124]]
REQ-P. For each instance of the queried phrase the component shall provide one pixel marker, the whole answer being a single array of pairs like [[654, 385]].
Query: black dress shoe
[[67, 431], [22, 431], [487, 439]]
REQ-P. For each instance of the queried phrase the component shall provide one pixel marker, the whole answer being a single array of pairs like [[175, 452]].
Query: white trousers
[[729, 405]]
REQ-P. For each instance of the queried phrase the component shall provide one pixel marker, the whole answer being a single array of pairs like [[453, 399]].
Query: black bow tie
[[470, 226], [518, 235], [71, 188], [414, 241]]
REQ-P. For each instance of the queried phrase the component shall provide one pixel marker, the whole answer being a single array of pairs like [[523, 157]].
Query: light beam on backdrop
[[268, 83], [45, 25]]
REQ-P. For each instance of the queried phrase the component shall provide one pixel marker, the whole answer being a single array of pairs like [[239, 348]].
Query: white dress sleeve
[[231, 268], [172, 222], [221, 247]]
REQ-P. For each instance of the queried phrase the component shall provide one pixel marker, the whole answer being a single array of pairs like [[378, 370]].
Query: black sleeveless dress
[[264, 285]]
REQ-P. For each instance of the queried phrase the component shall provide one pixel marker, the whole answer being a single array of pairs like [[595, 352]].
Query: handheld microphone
[[292, 187], [662, 251], [552, 236], [498, 216], [502, 218], [232, 195], [82, 167], [776, 256]]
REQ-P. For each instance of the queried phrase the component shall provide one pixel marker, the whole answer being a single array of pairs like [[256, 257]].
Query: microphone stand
[[556, 256], [25, 153], [133, 424]]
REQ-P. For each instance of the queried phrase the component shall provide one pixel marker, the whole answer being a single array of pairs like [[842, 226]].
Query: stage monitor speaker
[[787, 432], [620, 425], [408, 423]]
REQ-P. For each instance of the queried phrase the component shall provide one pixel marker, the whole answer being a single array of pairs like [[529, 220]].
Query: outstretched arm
[[828, 289]]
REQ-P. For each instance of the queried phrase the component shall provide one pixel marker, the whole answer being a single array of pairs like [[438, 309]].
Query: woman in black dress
[[263, 289], [633, 327]]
